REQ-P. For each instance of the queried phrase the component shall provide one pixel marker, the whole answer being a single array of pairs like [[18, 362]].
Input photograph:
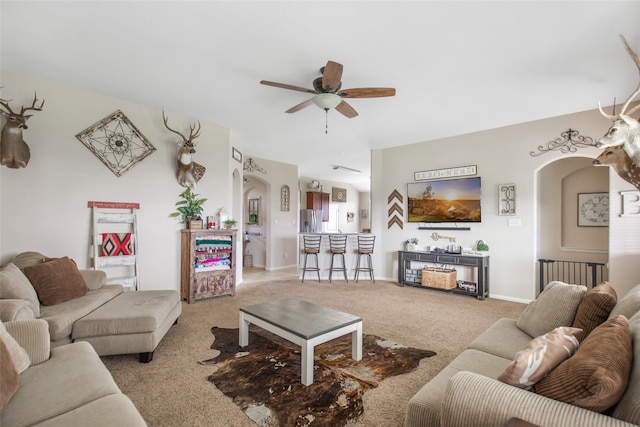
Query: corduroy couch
[[467, 392], [62, 386]]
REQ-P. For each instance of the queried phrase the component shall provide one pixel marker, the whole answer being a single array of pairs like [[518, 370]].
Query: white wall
[[44, 206], [502, 156]]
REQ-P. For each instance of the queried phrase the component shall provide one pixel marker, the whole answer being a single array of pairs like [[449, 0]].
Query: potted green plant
[[230, 223], [189, 209]]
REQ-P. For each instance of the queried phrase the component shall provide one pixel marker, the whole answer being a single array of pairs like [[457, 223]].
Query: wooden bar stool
[[338, 246], [311, 246], [365, 248]]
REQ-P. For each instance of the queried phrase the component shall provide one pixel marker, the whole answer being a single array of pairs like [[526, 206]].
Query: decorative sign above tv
[[445, 173], [448, 200]]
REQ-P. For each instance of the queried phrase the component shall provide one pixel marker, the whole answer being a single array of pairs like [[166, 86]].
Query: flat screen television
[[447, 200]]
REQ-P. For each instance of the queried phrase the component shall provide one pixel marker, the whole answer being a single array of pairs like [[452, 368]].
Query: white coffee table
[[304, 324]]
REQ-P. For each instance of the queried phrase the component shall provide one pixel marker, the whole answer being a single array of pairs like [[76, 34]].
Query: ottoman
[[132, 322]]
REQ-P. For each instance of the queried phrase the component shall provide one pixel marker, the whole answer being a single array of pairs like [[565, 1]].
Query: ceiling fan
[[328, 92]]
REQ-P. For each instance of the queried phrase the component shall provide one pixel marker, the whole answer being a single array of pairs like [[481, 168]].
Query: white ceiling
[[458, 67]]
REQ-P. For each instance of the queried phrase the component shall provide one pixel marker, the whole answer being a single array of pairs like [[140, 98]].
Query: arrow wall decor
[[396, 213]]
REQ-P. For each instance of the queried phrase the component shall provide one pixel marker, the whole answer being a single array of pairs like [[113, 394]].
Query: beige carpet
[[173, 389]]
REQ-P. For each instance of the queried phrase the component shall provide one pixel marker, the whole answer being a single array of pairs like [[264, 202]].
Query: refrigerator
[[310, 221]]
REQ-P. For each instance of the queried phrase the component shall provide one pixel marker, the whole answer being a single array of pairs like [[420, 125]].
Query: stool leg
[[331, 267], [304, 268], [357, 268], [317, 267], [371, 268], [344, 269]]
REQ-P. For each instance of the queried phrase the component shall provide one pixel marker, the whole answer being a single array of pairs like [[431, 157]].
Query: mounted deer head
[[14, 152], [625, 130], [188, 171], [619, 160]]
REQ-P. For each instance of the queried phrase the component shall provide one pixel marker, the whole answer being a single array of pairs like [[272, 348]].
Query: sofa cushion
[[502, 339], [56, 281], [540, 356], [596, 377], [594, 309], [9, 377], [555, 306], [18, 354], [15, 285], [628, 408], [629, 305], [28, 259]]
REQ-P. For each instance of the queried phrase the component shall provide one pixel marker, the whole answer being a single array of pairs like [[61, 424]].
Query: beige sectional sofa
[[63, 386], [84, 308], [467, 392]]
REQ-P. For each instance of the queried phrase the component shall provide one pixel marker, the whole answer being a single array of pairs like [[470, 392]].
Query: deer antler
[[192, 135], [33, 105], [633, 95]]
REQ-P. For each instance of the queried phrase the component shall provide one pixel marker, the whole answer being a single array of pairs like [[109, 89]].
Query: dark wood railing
[[574, 272]]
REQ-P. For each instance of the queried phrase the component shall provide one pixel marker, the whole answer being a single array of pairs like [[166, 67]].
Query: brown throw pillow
[[594, 309], [540, 356], [56, 281], [9, 377], [596, 377]]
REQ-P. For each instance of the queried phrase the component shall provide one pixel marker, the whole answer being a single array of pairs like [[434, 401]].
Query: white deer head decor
[[14, 151], [619, 160], [625, 131], [188, 172]]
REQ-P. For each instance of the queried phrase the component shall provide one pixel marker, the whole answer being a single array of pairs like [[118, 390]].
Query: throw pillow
[[629, 305], [56, 281], [540, 356], [555, 306], [15, 285], [596, 377], [594, 309], [9, 377], [19, 355]]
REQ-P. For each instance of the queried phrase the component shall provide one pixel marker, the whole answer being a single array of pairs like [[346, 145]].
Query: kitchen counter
[[324, 257]]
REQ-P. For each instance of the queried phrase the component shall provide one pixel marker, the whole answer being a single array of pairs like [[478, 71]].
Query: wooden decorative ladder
[[114, 240]]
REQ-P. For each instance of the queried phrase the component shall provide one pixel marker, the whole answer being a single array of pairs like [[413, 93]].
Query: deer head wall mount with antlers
[[14, 151], [625, 130], [188, 172]]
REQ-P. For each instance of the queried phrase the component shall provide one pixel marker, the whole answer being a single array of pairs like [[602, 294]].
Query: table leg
[[306, 376], [356, 342], [243, 339]]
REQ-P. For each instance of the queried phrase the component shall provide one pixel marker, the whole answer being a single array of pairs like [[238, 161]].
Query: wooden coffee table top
[[301, 318]]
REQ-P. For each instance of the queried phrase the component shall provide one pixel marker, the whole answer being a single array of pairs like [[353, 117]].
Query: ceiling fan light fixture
[[327, 101], [356, 171]]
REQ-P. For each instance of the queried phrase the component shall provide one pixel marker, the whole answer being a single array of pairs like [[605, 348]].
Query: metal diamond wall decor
[[116, 142]]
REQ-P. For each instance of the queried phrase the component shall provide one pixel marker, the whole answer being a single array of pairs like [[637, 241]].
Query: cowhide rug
[[264, 377]]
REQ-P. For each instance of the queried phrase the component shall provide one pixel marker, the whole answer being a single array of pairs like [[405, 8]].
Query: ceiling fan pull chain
[[326, 121]]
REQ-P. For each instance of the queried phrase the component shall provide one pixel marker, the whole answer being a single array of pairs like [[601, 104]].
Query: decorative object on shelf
[[338, 195], [507, 199], [222, 216], [250, 165], [237, 155], [15, 151], [445, 173], [116, 142], [481, 246], [230, 223], [568, 142], [593, 209], [188, 171], [411, 244], [190, 207], [350, 216], [395, 213], [619, 160], [630, 203], [285, 197]]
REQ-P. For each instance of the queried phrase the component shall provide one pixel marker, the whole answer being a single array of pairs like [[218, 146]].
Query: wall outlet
[[515, 222]]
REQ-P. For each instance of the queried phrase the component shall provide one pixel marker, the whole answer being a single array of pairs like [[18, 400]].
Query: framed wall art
[[116, 142], [593, 209], [338, 195], [237, 155]]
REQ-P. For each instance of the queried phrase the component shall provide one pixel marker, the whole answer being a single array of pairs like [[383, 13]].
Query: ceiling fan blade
[[300, 106], [367, 92], [286, 86], [346, 110], [331, 76]]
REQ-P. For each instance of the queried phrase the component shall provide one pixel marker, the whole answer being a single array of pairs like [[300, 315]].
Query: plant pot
[[194, 224], [411, 246]]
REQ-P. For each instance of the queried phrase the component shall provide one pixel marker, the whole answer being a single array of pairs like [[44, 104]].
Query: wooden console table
[[481, 263]]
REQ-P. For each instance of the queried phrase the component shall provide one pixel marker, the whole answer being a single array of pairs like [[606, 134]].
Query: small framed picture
[[593, 209], [237, 155]]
